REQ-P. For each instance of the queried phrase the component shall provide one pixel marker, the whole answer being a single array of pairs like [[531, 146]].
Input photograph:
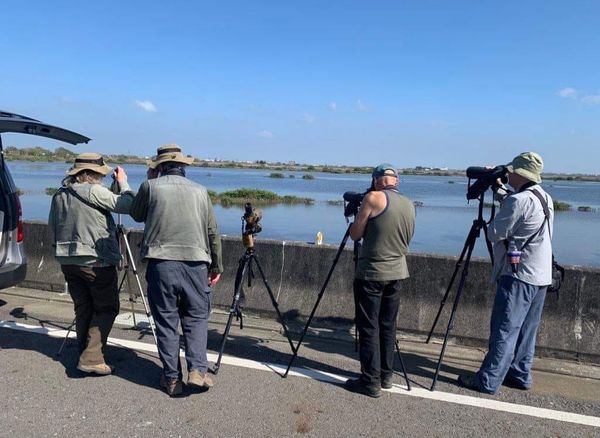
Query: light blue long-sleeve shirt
[[520, 216]]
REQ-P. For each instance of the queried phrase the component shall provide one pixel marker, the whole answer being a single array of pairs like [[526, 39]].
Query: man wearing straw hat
[[521, 234], [88, 252], [182, 246]]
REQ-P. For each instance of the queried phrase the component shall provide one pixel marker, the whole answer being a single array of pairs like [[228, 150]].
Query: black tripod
[[245, 269], [126, 264], [320, 296], [465, 256]]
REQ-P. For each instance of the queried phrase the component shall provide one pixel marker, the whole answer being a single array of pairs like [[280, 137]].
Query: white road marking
[[549, 414]]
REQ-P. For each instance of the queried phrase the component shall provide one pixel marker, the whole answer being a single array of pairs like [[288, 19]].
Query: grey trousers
[[178, 294]]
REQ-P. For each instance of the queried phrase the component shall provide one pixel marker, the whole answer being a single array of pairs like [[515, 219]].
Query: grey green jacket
[[180, 221], [84, 229], [382, 256]]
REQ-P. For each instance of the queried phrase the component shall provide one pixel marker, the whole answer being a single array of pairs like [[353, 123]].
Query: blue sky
[[435, 83]]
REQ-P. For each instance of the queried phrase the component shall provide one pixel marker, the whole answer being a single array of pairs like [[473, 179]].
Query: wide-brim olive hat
[[169, 153], [89, 161], [527, 164], [384, 169]]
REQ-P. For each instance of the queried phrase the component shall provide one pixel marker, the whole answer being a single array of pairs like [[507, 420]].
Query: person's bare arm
[[373, 204]]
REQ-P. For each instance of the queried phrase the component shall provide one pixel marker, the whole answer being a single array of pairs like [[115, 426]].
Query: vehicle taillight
[[20, 234]]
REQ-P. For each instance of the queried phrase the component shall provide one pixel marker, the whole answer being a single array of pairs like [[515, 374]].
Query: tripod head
[[250, 225]]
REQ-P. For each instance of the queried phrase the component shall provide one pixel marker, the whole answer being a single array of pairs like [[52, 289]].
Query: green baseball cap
[[385, 169], [527, 164]]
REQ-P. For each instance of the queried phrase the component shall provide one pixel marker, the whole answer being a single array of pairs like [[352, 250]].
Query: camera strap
[[546, 219], [85, 201]]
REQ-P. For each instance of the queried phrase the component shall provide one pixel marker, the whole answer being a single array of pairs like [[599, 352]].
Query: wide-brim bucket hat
[[89, 161], [169, 153], [527, 164]]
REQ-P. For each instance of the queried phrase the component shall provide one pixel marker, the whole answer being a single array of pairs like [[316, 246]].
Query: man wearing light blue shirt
[[521, 234]]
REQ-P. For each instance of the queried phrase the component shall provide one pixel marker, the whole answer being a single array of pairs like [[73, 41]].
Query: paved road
[[43, 395]]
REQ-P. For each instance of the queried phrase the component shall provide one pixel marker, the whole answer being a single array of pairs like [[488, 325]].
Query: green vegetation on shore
[[255, 196], [65, 155]]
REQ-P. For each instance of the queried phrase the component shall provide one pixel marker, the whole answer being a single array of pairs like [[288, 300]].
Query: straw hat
[[89, 161], [169, 153], [527, 164]]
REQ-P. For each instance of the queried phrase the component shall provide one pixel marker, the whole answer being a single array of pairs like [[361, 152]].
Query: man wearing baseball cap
[[182, 246], [386, 223], [521, 234], [88, 251]]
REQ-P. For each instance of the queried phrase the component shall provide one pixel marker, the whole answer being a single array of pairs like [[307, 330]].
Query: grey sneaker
[[173, 387], [200, 380], [101, 369]]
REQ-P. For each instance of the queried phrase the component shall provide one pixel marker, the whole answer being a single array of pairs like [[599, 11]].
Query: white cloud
[[332, 106], [146, 105], [572, 93], [591, 99], [309, 118], [265, 134], [569, 93], [360, 106]]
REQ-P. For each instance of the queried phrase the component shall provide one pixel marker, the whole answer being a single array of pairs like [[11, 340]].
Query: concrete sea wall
[[295, 271]]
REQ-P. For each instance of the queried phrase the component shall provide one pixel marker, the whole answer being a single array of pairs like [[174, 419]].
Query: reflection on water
[[442, 222]]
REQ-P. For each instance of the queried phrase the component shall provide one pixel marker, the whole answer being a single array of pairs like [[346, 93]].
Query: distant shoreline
[[38, 154]]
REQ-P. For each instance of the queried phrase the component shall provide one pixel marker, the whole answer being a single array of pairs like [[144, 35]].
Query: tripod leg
[[322, 291], [461, 283], [139, 285], [234, 309], [457, 267], [402, 365], [274, 302], [69, 330]]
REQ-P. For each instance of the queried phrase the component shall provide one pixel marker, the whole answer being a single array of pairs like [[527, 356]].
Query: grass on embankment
[[254, 196]]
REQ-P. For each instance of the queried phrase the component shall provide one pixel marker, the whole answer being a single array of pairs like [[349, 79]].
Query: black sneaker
[[362, 387], [515, 384], [469, 381], [386, 381]]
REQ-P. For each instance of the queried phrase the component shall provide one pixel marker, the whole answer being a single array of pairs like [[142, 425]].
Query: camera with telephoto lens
[[250, 224], [484, 179], [352, 201]]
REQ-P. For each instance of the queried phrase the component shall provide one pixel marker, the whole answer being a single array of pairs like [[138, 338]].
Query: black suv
[[13, 262]]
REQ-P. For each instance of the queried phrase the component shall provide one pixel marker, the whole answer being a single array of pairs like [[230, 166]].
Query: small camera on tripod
[[484, 179], [250, 224]]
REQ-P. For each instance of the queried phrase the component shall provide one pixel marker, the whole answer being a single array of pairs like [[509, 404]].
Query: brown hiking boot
[[200, 380], [173, 387], [101, 369]]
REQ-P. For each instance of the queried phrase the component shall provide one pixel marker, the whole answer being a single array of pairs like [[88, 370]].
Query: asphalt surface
[[44, 395]]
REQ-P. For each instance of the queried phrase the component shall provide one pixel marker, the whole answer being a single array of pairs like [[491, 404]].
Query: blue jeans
[[178, 293], [513, 328]]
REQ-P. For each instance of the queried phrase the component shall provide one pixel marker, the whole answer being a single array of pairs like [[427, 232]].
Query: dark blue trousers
[[513, 328], [178, 294]]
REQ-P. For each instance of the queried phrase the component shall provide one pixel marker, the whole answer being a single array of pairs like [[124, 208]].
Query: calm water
[[442, 222]]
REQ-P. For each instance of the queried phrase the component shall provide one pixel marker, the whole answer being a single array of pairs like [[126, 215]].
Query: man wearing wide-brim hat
[[521, 234], [88, 251], [182, 246]]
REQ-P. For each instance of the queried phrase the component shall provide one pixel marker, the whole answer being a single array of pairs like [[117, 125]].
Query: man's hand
[[119, 175], [152, 173], [213, 278]]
